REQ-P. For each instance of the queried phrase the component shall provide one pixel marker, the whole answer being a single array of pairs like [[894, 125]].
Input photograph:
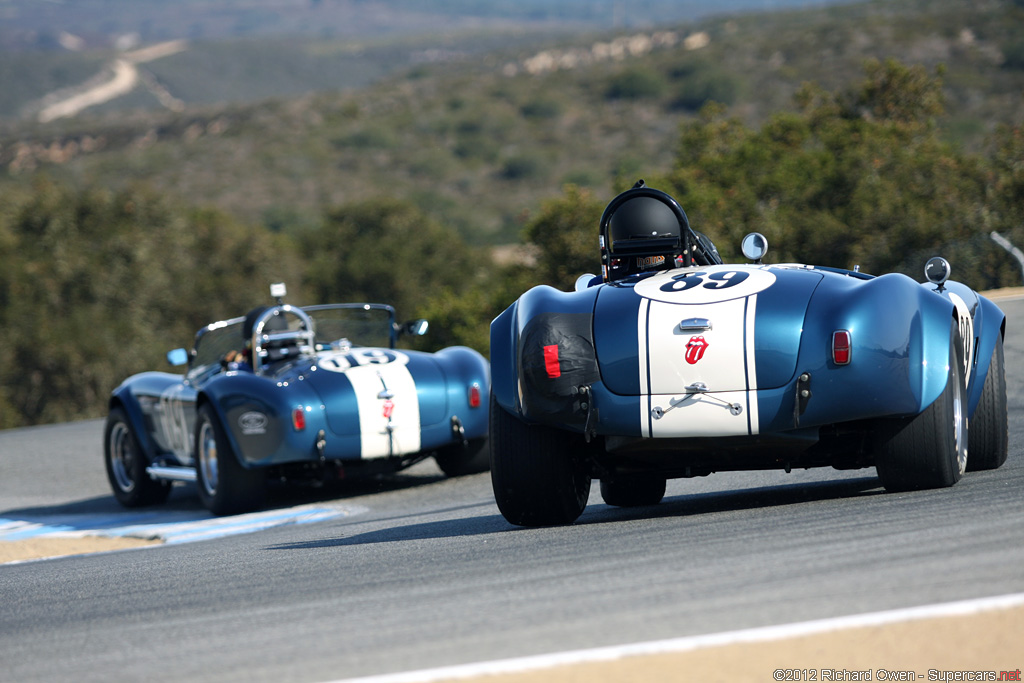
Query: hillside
[[478, 141], [80, 24], [247, 50], [122, 232]]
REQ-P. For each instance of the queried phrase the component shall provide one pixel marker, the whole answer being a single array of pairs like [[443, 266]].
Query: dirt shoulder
[[36, 548], [978, 647]]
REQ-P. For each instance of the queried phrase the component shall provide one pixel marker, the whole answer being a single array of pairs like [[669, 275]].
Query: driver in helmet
[[645, 230], [241, 361]]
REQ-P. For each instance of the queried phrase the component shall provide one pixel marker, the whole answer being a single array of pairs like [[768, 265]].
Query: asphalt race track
[[423, 572]]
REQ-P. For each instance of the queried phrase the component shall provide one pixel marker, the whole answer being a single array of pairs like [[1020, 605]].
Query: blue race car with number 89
[[673, 364], [304, 394]]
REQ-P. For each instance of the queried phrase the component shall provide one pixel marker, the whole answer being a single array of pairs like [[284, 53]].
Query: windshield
[[360, 324], [213, 342]]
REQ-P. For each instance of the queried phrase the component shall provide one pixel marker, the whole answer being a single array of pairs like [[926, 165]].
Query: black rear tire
[[225, 486], [990, 431], [633, 491], [540, 475], [928, 451], [460, 460], [126, 465]]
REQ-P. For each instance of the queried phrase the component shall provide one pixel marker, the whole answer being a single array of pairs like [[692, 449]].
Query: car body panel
[[752, 332]]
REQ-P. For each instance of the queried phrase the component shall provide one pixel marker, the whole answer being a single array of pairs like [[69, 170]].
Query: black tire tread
[[538, 473], [917, 453], [990, 431]]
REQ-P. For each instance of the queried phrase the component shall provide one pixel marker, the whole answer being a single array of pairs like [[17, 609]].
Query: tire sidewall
[[144, 490], [204, 418], [238, 489]]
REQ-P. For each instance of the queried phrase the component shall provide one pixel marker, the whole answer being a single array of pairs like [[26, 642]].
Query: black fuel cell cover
[[556, 355]]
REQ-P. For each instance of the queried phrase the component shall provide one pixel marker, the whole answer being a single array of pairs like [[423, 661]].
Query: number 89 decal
[[706, 285]]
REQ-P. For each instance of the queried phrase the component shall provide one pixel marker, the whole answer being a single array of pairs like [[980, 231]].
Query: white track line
[[690, 643]]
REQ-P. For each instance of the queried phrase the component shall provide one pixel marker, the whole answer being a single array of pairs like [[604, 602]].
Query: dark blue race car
[[310, 393], [673, 364]]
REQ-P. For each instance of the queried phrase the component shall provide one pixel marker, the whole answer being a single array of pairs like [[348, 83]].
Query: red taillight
[[299, 419], [841, 347], [474, 396]]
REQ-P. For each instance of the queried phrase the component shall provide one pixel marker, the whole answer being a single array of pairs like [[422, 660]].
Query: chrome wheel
[[122, 457], [207, 458], [125, 462]]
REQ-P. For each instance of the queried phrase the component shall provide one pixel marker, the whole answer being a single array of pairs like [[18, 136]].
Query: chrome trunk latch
[[695, 325]]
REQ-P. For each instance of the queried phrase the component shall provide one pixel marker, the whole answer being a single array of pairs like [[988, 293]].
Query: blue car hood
[[724, 328]]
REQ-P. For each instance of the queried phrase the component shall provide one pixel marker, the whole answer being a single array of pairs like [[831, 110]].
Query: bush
[[636, 84]]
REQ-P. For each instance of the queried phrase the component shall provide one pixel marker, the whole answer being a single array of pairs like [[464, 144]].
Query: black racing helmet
[[643, 229], [275, 324]]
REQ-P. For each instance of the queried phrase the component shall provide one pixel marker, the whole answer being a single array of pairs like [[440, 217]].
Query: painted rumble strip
[[169, 527], [691, 643]]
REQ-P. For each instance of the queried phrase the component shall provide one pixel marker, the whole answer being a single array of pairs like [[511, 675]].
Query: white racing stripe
[[752, 414], [723, 364], [642, 361], [403, 436], [692, 643]]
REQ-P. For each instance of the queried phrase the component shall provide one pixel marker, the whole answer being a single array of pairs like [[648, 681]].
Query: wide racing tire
[[225, 486], [461, 459], [990, 431], [540, 475], [928, 451], [126, 465], [635, 490]]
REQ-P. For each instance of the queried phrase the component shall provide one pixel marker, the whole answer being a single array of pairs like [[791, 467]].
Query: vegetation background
[[446, 171]]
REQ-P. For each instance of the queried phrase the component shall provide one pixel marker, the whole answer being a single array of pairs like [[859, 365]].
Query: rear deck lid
[[382, 395], [718, 328]]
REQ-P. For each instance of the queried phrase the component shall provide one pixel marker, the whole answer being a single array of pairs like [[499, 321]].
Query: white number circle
[[705, 285], [340, 361]]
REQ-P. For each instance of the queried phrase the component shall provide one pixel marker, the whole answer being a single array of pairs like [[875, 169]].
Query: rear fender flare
[[900, 334], [229, 393], [463, 367], [504, 340], [540, 303], [989, 327]]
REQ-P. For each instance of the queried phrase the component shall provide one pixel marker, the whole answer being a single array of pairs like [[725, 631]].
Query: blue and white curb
[[169, 527]]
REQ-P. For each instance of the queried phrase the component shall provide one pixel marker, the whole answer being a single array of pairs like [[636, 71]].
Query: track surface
[[431, 575]]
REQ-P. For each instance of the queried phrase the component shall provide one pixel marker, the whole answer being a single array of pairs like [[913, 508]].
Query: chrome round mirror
[[937, 270], [754, 246]]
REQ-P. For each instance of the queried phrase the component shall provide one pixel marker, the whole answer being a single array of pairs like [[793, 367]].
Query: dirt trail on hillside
[[124, 77]]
